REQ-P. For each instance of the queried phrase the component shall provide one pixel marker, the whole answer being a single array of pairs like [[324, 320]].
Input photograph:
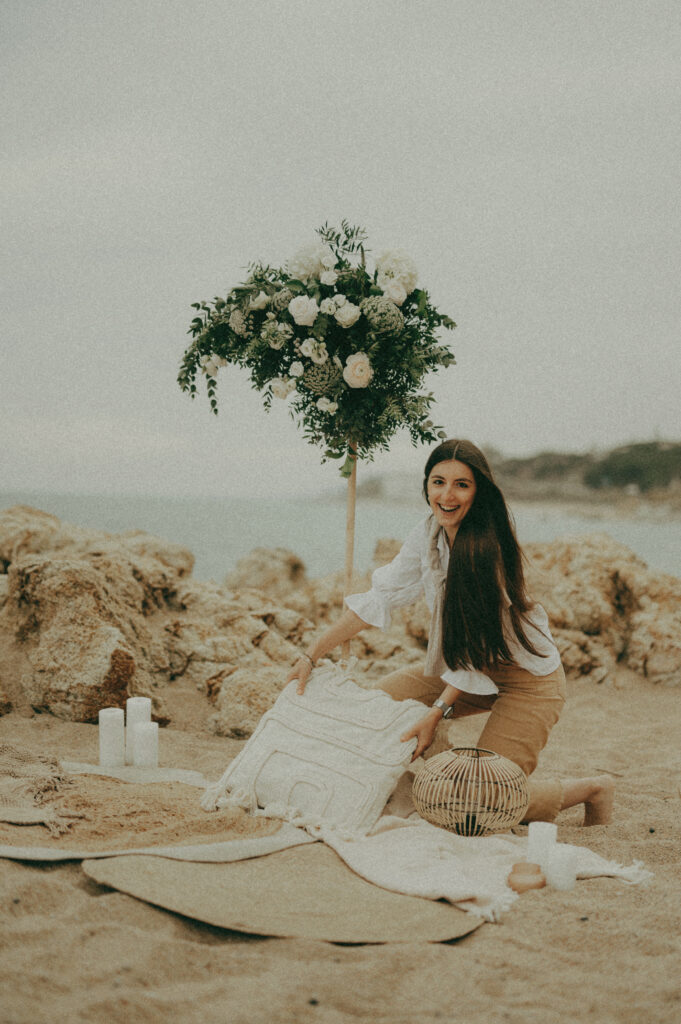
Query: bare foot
[[598, 805]]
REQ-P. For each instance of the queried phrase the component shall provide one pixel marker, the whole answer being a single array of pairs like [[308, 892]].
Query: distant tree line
[[647, 465]]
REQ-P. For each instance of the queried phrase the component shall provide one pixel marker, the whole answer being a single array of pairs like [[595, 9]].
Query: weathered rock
[[654, 643], [87, 619], [274, 571], [606, 606], [83, 649], [73, 624], [245, 697], [215, 632], [584, 655], [25, 530]]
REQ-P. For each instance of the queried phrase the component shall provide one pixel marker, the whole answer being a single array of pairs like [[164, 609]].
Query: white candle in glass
[[146, 745], [111, 737], [561, 869], [137, 711], [541, 838]]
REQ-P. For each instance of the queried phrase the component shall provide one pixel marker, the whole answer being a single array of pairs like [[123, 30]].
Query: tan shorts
[[521, 717]]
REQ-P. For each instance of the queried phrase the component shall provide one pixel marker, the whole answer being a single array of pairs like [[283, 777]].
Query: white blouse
[[402, 581]]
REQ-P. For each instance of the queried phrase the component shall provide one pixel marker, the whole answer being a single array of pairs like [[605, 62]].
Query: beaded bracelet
[[307, 658]]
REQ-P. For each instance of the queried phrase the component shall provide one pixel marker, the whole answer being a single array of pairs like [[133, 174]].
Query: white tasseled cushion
[[329, 757]]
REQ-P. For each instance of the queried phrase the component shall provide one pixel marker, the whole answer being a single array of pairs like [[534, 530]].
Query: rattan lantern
[[471, 791]]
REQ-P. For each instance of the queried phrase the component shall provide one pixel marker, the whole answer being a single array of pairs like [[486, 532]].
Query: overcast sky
[[526, 153]]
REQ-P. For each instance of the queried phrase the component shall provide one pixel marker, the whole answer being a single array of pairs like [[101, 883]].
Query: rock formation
[[88, 619], [606, 607]]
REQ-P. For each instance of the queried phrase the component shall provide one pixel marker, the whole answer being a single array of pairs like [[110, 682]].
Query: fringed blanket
[[27, 783]]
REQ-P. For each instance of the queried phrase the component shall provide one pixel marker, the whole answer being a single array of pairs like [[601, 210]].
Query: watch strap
[[447, 709]]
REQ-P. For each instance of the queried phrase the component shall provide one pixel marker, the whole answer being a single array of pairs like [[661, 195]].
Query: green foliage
[[546, 465], [647, 465], [257, 326]]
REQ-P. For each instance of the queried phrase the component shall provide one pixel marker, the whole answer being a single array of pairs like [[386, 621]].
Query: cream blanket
[[401, 852], [418, 859]]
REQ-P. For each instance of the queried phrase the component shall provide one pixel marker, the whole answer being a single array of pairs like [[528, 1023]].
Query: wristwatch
[[447, 709]]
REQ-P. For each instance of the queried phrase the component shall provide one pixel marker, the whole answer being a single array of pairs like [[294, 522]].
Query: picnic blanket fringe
[[217, 796], [633, 874]]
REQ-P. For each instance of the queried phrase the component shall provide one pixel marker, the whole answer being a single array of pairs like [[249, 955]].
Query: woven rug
[[401, 855], [28, 782], [307, 892]]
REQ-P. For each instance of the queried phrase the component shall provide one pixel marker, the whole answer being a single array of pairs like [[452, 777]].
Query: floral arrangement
[[348, 346]]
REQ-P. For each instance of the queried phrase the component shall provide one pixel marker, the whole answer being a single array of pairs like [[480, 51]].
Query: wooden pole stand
[[350, 534]]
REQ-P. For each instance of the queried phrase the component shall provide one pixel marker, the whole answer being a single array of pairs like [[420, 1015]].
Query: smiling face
[[451, 491]]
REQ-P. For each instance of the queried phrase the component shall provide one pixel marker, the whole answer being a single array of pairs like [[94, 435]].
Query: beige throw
[[27, 782]]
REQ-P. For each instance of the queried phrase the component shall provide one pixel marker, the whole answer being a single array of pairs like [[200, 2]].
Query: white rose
[[329, 277], [325, 405], [297, 369], [210, 368], [259, 301], [204, 359], [339, 299], [357, 372], [280, 387], [315, 350], [304, 310], [348, 314], [398, 265], [311, 261], [328, 306], [394, 291], [320, 353]]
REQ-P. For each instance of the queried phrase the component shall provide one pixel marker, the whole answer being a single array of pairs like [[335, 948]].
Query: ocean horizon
[[220, 531]]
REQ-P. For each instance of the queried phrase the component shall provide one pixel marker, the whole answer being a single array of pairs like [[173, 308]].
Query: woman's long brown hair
[[485, 565]]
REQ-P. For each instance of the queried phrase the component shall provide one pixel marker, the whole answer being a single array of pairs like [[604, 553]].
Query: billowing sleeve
[[469, 680], [394, 585]]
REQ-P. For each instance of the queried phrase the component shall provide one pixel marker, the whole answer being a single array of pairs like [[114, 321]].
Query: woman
[[489, 644]]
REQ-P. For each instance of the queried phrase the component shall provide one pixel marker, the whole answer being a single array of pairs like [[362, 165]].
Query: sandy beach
[[606, 951], [87, 618]]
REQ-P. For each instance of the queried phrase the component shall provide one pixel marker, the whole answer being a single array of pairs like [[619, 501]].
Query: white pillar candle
[[111, 737], [145, 745], [541, 838], [561, 869], [137, 711]]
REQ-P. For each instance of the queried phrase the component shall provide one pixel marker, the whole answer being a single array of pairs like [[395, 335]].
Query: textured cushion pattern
[[330, 756]]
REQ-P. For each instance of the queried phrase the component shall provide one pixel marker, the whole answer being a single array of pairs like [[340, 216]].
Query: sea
[[220, 531]]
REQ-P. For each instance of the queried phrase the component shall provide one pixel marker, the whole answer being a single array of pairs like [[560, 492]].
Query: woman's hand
[[348, 625], [424, 731], [300, 671]]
